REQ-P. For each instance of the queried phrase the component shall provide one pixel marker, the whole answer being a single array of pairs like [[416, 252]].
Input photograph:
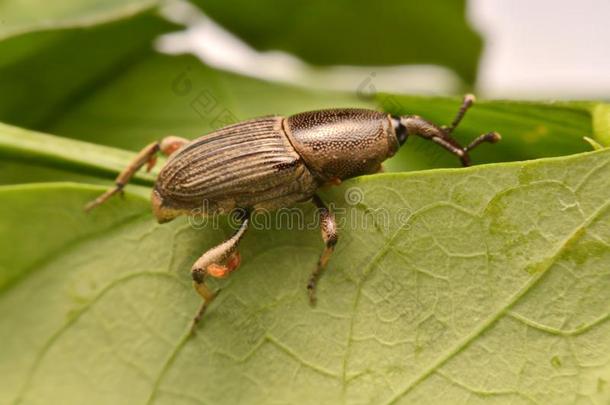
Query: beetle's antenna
[[442, 135], [467, 102], [491, 137]]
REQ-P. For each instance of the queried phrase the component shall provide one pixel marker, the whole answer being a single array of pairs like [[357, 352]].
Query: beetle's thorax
[[342, 143]]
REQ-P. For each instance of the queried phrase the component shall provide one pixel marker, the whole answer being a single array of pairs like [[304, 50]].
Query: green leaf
[[51, 63], [20, 17], [118, 91], [487, 284], [30, 150], [357, 32]]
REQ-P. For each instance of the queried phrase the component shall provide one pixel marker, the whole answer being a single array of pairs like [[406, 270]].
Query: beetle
[[273, 162]]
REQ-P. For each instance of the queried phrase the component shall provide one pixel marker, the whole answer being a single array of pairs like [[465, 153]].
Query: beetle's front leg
[[148, 156], [219, 262], [328, 228]]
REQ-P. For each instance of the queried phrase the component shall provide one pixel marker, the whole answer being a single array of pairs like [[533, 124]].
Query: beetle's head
[[400, 129]]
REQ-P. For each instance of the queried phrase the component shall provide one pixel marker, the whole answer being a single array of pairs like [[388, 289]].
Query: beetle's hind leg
[[147, 156], [328, 228], [219, 262]]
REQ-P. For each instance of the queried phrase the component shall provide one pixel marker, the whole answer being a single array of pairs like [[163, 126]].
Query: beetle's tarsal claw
[[197, 317], [311, 291], [328, 228]]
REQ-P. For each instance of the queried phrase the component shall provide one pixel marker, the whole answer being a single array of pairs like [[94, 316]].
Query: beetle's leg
[[328, 227], [219, 262], [148, 156], [145, 155]]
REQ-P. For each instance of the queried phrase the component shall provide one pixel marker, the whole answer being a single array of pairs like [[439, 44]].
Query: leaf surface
[[485, 284]]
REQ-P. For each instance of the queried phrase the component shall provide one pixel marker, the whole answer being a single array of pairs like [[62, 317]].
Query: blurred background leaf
[[19, 17], [62, 80], [347, 32], [178, 95], [45, 73]]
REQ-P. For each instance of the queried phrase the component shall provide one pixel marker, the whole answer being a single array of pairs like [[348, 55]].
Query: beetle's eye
[[400, 130]]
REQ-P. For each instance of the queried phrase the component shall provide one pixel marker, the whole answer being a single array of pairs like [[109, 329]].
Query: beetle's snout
[[163, 214]]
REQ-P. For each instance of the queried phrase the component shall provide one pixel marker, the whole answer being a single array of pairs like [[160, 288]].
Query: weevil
[[274, 162]]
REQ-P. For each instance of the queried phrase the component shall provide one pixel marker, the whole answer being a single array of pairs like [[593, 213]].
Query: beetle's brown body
[[275, 162], [272, 162]]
